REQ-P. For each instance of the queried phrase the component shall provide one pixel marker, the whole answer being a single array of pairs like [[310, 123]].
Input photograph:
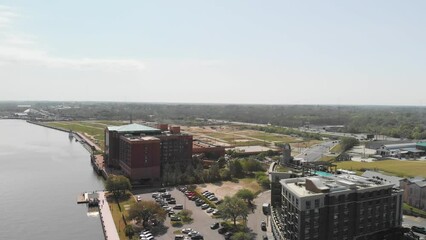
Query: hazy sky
[[214, 51]]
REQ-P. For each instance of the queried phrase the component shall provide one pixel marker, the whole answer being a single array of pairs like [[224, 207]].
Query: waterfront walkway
[[106, 219]]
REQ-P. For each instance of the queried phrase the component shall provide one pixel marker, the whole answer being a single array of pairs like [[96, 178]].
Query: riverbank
[[97, 161]]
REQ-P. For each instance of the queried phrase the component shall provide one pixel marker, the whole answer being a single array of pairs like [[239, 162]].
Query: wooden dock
[[82, 199]]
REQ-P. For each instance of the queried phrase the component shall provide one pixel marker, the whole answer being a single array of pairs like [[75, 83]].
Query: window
[[317, 202], [308, 205]]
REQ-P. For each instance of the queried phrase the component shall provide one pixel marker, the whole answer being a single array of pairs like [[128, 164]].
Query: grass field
[[336, 149], [92, 129], [395, 167], [117, 215], [270, 137]]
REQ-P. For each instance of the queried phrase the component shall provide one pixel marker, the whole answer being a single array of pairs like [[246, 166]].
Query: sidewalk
[[106, 219]]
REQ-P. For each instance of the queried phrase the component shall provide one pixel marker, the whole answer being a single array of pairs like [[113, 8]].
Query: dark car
[[228, 235], [198, 236], [175, 218], [171, 201], [263, 225], [178, 206], [162, 190], [417, 229], [214, 226], [222, 230], [198, 204]]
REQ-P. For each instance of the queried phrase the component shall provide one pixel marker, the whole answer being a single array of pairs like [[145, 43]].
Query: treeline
[[395, 121], [221, 170]]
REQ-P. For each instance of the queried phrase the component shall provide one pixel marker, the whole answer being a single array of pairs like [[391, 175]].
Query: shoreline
[[105, 216]]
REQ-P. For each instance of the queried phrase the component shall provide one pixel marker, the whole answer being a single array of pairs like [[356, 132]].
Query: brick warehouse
[[140, 151]]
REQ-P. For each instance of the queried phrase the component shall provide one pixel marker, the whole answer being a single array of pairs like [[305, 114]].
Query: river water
[[41, 173]]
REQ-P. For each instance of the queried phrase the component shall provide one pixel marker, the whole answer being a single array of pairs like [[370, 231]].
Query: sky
[[221, 51]]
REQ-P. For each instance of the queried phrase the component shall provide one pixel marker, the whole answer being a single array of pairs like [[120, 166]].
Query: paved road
[[201, 223], [315, 152], [254, 219]]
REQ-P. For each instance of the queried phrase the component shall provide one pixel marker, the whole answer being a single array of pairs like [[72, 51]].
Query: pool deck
[[107, 221]]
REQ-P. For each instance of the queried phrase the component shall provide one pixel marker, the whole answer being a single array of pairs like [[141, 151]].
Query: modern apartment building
[[340, 207]]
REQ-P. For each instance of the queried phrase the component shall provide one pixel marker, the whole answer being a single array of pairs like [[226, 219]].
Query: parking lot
[[201, 223]]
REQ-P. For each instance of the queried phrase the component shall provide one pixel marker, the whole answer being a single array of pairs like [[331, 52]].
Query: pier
[[108, 225]]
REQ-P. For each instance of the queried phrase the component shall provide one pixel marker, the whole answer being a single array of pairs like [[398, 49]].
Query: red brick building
[[140, 151], [139, 157]]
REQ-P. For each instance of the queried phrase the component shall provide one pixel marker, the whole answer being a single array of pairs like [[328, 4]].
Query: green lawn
[[396, 167], [117, 215], [83, 127], [336, 149], [270, 137], [416, 210]]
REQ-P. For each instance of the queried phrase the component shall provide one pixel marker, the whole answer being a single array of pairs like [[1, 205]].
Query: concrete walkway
[[106, 219]]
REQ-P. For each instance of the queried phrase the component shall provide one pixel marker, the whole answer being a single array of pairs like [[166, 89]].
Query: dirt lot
[[227, 188]]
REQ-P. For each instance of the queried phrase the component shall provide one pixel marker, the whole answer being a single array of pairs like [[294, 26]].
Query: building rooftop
[[390, 179], [141, 138], [310, 186], [419, 181], [134, 127]]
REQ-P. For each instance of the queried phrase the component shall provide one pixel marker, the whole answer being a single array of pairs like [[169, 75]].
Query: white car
[[186, 230], [193, 233]]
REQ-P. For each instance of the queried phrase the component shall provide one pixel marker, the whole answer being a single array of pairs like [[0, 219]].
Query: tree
[[221, 161], [145, 211], [233, 208], [236, 169], [129, 231], [246, 195], [185, 215], [117, 184], [214, 172], [348, 142], [242, 236]]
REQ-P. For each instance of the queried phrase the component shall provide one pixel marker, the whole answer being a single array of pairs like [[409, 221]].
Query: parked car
[[175, 218], [179, 237], [214, 226], [171, 201], [212, 198], [170, 213], [263, 225], [197, 237], [193, 233], [417, 229], [210, 210], [155, 195], [162, 190], [178, 206], [204, 206], [139, 198], [228, 235], [222, 230], [186, 230], [219, 202], [216, 212]]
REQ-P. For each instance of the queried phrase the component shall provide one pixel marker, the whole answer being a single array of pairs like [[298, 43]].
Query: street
[[315, 153], [254, 219]]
